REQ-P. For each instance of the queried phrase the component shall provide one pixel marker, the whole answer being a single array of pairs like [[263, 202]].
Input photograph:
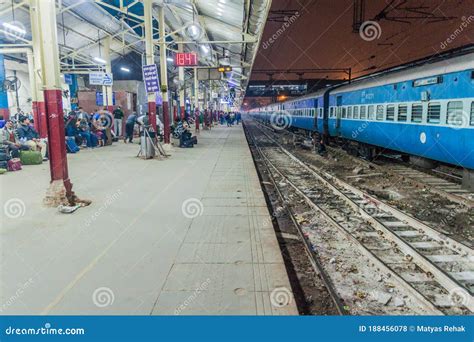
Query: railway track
[[433, 268]]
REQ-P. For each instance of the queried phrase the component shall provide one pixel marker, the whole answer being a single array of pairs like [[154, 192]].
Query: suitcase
[[14, 164], [31, 157], [3, 164], [71, 145], [2, 171]]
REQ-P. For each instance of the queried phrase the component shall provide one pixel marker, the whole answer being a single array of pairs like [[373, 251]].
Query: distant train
[[422, 111]]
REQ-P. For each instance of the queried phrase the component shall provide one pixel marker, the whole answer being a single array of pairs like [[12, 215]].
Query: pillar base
[[167, 147], [468, 180], [57, 194]]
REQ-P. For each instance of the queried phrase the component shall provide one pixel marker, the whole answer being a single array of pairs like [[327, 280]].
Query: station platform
[[184, 236]]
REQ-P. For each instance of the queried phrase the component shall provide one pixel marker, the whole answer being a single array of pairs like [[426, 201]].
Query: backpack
[[14, 164], [71, 145]]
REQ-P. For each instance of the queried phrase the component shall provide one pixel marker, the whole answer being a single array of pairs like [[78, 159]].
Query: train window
[[363, 111], [472, 114], [390, 113], [416, 112], [455, 113], [402, 113], [434, 113], [332, 112], [349, 112], [380, 112], [344, 112], [356, 112], [371, 112]]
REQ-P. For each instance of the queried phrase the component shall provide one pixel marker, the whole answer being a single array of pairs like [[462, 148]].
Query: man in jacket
[[30, 138]]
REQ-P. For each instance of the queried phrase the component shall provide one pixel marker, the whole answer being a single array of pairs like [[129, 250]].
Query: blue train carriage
[[425, 112], [303, 113]]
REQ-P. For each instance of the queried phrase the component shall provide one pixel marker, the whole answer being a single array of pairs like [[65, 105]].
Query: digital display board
[[182, 59]]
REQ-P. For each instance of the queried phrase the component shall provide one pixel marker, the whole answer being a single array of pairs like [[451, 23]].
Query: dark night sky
[[322, 36]]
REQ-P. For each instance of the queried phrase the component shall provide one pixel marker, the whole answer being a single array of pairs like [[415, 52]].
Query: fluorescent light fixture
[[204, 49], [100, 60], [14, 28], [125, 69], [169, 59]]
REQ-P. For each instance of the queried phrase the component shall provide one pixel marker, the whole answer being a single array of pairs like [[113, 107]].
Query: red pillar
[[166, 122], [182, 113], [56, 139], [41, 121], [5, 113], [152, 114], [196, 119]]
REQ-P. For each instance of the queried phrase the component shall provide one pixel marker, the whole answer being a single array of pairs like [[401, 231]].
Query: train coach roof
[[446, 66]]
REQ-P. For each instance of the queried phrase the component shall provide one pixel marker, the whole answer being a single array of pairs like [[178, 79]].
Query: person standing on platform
[[118, 116], [129, 127]]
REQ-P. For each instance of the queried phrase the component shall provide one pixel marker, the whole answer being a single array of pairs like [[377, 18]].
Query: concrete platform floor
[[188, 235]]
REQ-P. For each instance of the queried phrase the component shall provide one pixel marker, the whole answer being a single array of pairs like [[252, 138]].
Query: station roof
[[229, 28], [328, 34]]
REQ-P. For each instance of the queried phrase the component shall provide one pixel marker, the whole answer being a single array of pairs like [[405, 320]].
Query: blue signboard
[[99, 98], [68, 79], [150, 77]]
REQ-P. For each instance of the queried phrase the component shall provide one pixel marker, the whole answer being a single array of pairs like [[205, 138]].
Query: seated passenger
[[85, 132], [186, 139], [9, 141], [30, 138]]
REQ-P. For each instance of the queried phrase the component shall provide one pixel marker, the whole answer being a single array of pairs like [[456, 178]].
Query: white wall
[[24, 92]]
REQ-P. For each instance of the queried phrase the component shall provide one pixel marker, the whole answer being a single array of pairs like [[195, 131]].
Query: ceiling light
[[14, 28], [193, 31], [100, 60], [204, 49], [125, 69], [169, 59]]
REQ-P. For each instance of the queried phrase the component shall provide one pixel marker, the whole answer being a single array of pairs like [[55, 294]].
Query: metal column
[[150, 56], [38, 104], [181, 85], [164, 75], [196, 99], [3, 94], [107, 90], [61, 187]]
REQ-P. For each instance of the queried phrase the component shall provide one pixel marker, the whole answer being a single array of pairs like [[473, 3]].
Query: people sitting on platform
[[85, 132], [129, 127], [9, 141], [98, 129], [29, 137], [186, 138]]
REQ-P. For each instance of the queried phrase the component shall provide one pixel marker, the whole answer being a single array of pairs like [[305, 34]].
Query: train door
[[315, 114], [338, 114]]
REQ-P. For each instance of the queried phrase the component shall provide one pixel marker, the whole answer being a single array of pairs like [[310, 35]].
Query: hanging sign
[[150, 77]]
